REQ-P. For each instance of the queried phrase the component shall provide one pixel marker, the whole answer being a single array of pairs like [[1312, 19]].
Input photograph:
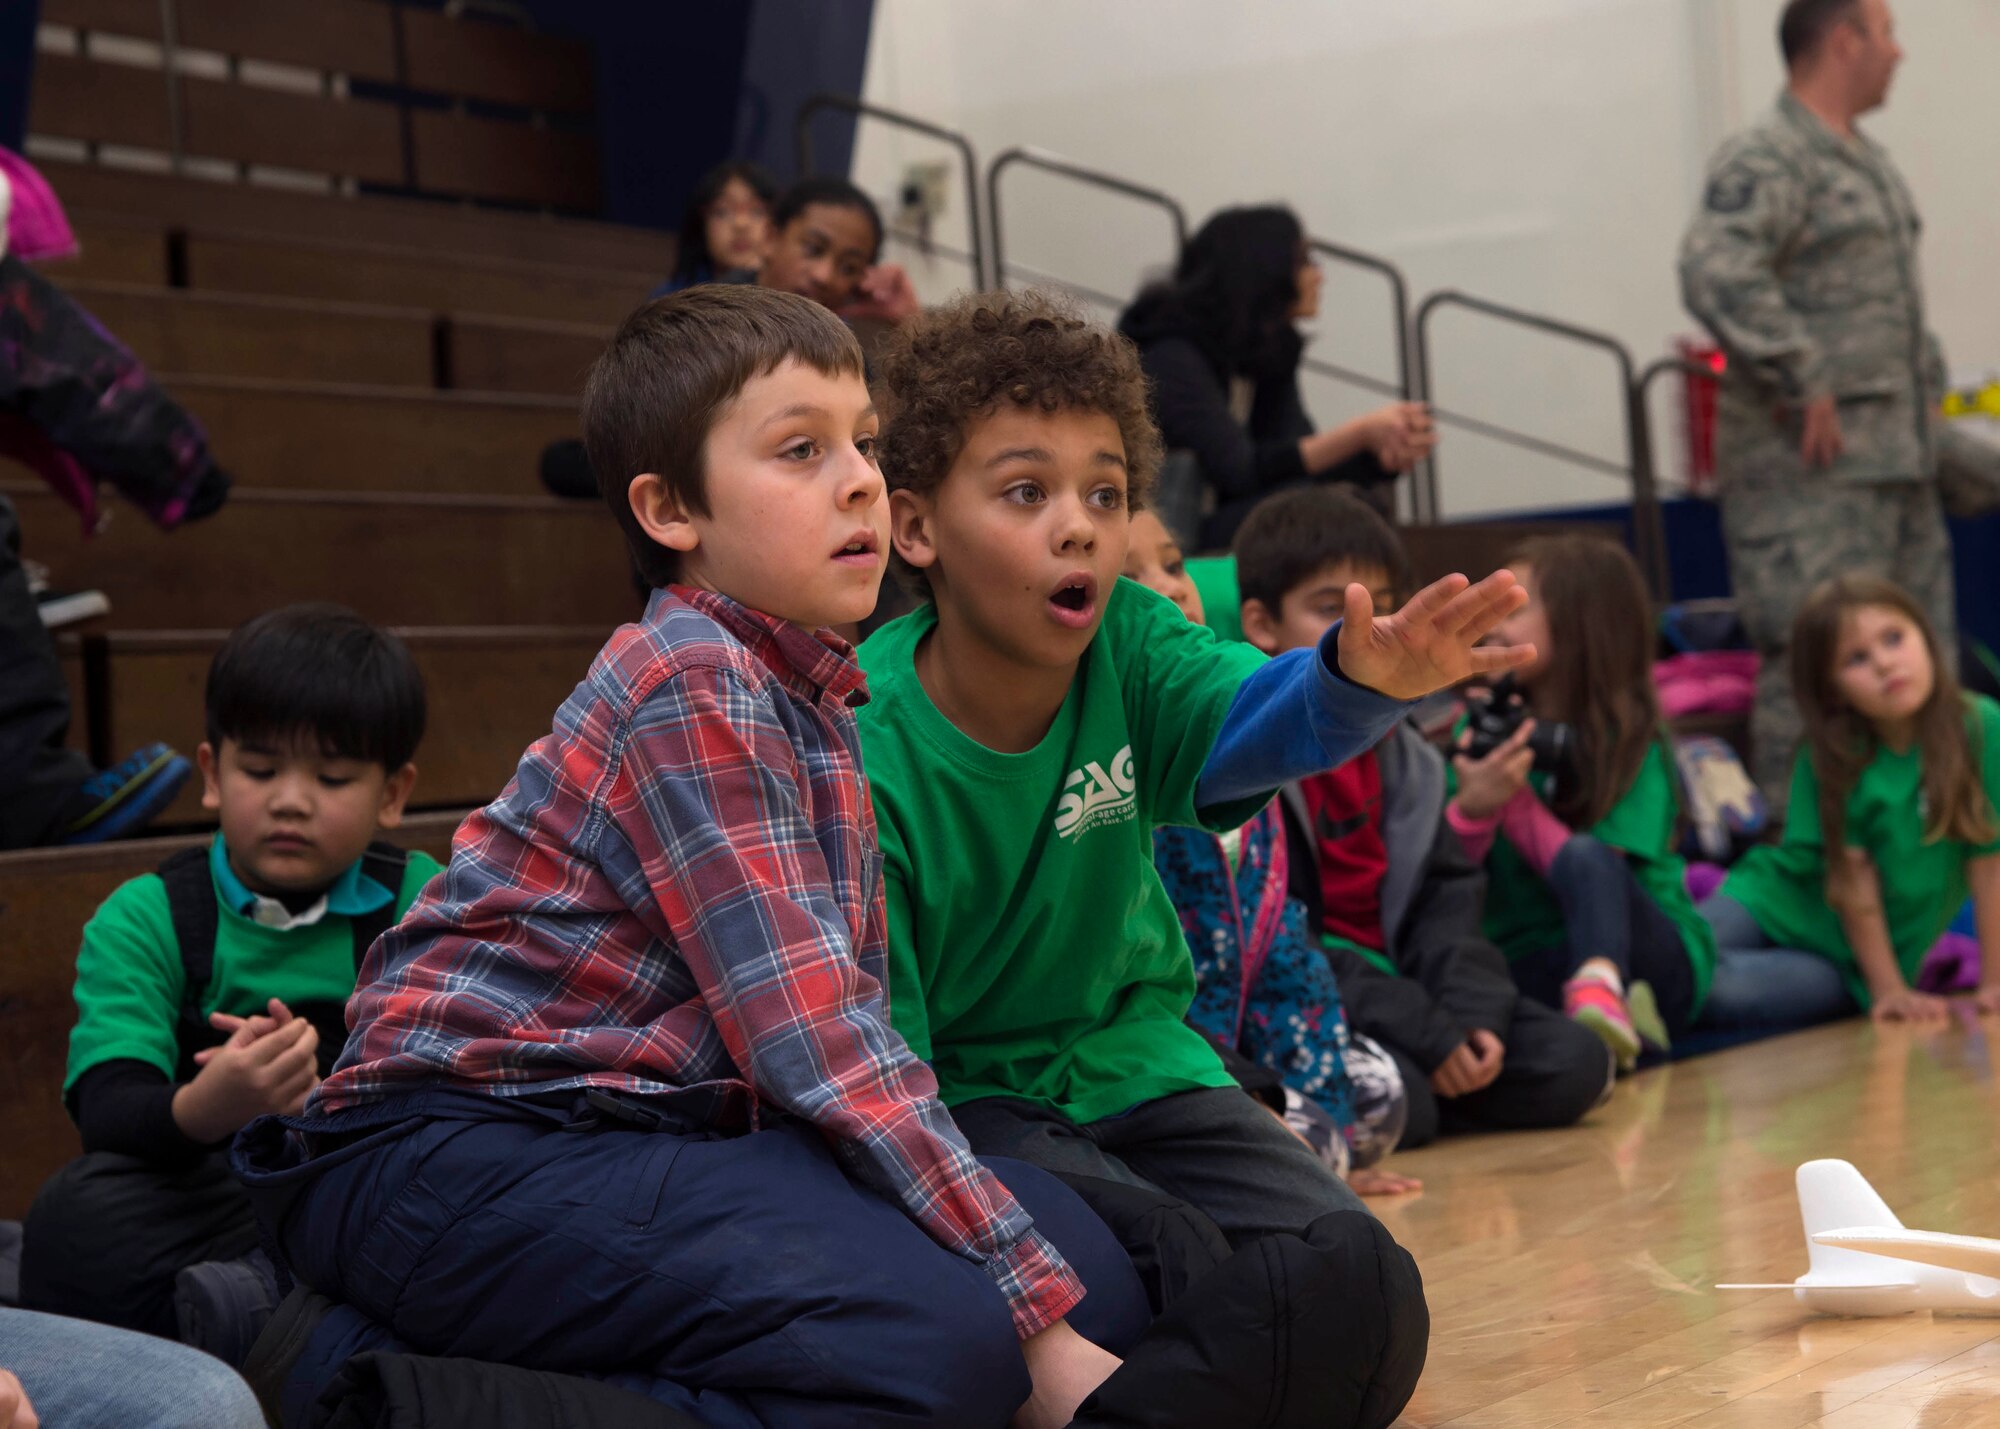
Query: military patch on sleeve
[[1730, 191]]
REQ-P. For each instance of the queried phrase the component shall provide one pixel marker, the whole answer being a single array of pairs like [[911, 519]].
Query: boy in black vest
[[214, 991]]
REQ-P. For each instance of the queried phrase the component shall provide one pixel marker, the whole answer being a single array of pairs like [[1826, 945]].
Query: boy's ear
[[659, 514], [1260, 626], [910, 515], [395, 794], [211, 787]]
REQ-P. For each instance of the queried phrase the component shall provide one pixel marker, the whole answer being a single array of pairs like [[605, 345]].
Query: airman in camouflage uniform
[[1802, 262]]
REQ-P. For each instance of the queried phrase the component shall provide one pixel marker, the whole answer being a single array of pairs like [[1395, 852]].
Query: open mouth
[[860, 547], [1074, 602]]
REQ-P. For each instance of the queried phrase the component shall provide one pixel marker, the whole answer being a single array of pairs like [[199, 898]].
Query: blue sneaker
[[130, 795]]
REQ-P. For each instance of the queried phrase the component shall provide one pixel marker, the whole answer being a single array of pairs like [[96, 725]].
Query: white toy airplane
[[1862, 1261]]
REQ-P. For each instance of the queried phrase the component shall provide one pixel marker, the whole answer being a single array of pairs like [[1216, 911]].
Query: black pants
[[108, 1234], [1215, 1149], [1554, 1072], [1328, 1326], [41, 779], [1606, 914]]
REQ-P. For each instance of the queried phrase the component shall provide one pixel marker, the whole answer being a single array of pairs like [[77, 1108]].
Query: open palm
[[1434, 640]]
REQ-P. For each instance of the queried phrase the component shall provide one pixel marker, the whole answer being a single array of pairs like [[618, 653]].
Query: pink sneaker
[[1595, 1004]]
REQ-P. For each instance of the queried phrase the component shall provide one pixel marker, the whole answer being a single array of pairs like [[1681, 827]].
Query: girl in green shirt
[[1901, 774], [1586, 895]]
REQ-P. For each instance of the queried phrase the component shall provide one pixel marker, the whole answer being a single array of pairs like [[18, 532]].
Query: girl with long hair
[[1586, 895], [1899, 777], [1221, 346], [727, 227]]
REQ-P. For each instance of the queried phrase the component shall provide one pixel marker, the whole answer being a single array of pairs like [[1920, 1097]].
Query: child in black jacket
[[1386, 884]]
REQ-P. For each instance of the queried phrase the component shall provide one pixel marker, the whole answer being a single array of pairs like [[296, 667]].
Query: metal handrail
[[1648, 525], [1682, 365], [1399, 299], [1082, 173], [974, 218]]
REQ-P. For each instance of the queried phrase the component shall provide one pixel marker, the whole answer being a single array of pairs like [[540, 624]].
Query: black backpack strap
[[192, 907], [386, 864]]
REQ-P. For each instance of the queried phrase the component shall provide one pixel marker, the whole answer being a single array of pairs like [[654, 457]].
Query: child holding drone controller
[[1587, 897]]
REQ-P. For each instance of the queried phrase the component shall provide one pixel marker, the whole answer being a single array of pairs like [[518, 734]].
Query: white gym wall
[[1542, 153]]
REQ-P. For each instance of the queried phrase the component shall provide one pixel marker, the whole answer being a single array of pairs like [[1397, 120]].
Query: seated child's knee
[[1386, 1321], [965, 1360], [1588, 857], [88, 1197]]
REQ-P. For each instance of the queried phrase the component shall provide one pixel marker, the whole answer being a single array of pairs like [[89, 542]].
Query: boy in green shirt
[[214, 991], [1035, 720]]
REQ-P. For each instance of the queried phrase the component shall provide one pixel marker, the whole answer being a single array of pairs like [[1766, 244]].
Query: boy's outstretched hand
[[1434, 640]]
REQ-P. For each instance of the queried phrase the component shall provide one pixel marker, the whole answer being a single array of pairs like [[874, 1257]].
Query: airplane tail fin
[[1833, 1195]]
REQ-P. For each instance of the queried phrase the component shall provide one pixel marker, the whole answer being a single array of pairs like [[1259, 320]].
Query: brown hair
[[1599, 678], [1841, 741], [669, 375], [947, 367], [1805, 23]]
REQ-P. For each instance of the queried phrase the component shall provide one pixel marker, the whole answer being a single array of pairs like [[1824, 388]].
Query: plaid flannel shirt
[[681, 891]]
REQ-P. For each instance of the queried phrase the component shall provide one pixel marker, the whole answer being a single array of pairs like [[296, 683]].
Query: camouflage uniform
[[1803, 264]]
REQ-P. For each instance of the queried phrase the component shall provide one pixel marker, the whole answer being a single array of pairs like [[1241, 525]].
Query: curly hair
[[949, 366]]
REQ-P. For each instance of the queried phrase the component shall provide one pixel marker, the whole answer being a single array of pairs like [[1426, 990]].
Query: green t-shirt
[[1522, 914], [1214, 580], [1032, 949], [130, 980], [1923, 883]]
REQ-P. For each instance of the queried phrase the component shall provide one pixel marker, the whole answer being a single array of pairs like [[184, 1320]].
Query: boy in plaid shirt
[[620, 1093]]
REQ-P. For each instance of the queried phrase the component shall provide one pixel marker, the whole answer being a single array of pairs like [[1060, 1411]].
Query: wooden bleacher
[[46, 896], [231, 335], [493, 690], [446, 337], [375, 117], [397, 557], [488, 354], [350, 438], [116, 248], [288, 267], [378, 370], [164, 202]]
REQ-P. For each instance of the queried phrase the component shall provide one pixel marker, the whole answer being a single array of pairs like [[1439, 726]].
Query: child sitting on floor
[[1033, 722], [1586, 893], [1390, 892], [622, 1095], [212, 991], [1901, 773], [1263, 992]]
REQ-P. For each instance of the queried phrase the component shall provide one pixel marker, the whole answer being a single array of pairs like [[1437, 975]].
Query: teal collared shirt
[[350, 895]]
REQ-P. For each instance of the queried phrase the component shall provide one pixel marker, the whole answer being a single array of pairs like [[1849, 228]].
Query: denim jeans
[[1763, 987], [81, 1375], [1606, 914]]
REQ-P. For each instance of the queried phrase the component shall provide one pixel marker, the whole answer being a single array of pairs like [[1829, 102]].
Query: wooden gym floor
[[1570, 1273]]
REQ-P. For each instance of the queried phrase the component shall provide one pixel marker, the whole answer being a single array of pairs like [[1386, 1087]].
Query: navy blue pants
[[748, 1278]]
